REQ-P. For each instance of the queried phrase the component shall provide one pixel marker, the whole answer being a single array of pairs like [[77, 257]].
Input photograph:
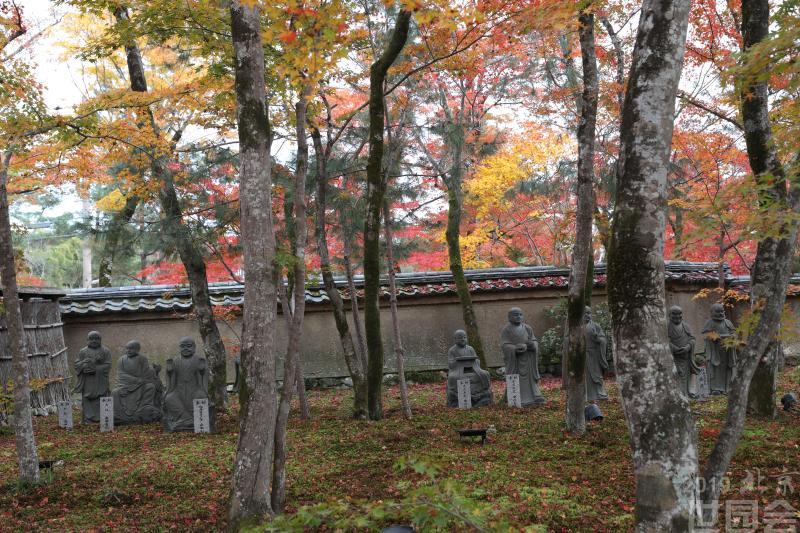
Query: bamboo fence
[[48, 367]]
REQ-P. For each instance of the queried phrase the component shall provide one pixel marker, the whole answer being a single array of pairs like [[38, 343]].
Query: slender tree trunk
[[575, 351], [721, 258], [354, 366], [663, 438], [180, 235], [194, 263], [292, 362], [115, 228], [376, 187], [453, 238], [27, 459], [252, 468], [399, 352], [354, 310], [773, 264], [763, 161]]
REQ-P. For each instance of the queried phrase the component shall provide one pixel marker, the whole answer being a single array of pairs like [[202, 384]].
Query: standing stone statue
[[721, 358], [521, 355], [187, 380], [135, 392], [596, 361], [462, 363], [92, 368], [681, 343]]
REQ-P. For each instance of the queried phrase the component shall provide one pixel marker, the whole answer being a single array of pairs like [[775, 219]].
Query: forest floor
[[529, 472]]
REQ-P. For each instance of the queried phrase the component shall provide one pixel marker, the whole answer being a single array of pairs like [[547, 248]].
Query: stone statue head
[[460, 337], [187, 346], [587, 314], [93, 339], [132, 348], [156, 369], [675, 315], [515, 316], [718, 312]]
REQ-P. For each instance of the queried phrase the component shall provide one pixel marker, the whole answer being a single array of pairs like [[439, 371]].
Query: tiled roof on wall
[[742, 284], [411, 284]]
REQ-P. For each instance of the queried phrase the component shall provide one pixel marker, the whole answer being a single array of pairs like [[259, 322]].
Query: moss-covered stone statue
[[136, 398], [521, 356], [91, 368], [596, 362], [462, 363], [187, 380], [721, 358], [681, 344]]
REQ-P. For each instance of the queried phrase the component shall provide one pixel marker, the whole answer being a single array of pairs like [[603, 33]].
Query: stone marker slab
[[202, 423], [106, 414], [703, 386], [512, 390], [464, 394], [64, 414]]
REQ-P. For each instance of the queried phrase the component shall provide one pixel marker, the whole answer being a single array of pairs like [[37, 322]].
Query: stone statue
[[92, 368], [187, 380], [135, 399], [681, 343], [521, 356], [596, 361], [462, 363], [721, 358]]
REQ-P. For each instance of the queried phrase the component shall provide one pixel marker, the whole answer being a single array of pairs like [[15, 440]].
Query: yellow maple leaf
[[113, 201]]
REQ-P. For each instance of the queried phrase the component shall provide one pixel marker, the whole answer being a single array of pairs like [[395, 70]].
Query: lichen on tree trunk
[[663, 437], [252, 468]]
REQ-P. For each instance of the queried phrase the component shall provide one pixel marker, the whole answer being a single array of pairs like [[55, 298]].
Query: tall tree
[[19, 95], [291, 366], [577, 298], [23, 425], [178, 232], [355, 365], [376, 188], [252, 468], [779, 206], [663, 437]]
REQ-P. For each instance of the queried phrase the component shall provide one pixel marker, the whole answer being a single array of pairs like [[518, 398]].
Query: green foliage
[[430, 504], [60, 264]]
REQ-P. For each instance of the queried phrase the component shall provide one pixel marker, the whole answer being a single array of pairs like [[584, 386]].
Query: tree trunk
[[118, 222], [354, 366], [176, 230], [351, 287], [27, 458], [291, 376], [663, 438], [763, 160], [399, 353], [195, 266], [761, 397], [376, 187], [575, 351], [452, 236], [772, 268], [252, 468]]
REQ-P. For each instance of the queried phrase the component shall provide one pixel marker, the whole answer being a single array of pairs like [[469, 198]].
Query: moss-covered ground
[[141, 479]]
